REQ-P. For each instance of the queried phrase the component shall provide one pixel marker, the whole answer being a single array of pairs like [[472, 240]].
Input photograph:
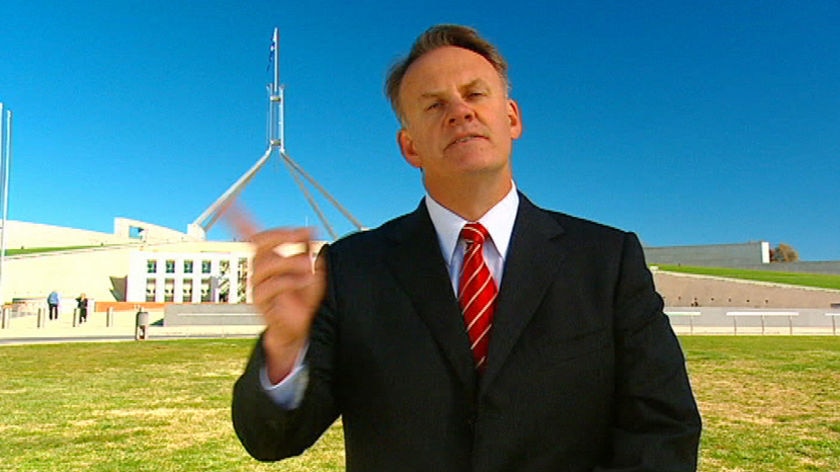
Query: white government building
[[142, 262], [139, 262]]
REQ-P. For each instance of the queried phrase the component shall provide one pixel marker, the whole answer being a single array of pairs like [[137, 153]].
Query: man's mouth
[[465, 139]]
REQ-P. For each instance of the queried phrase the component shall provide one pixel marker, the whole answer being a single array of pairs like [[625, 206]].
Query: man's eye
[[433, 106], [477, 94]]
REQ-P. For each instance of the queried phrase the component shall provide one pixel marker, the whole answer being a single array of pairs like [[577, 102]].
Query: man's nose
[[460, 111]]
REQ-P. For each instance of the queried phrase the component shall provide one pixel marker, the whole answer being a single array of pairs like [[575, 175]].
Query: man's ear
[[514, 118], [408, 149]]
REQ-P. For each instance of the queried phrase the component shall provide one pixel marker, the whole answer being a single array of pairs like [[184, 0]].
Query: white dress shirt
[[499, 223]]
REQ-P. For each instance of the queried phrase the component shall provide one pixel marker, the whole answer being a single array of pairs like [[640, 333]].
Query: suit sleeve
[[270, 432], [656, 424]]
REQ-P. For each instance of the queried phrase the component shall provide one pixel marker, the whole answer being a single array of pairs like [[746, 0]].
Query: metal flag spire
[[276, 141], [5, 162]]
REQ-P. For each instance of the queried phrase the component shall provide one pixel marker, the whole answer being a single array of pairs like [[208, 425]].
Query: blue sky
[[686, 122]]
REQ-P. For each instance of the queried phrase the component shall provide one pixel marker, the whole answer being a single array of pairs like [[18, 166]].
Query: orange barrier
[[129, 306]]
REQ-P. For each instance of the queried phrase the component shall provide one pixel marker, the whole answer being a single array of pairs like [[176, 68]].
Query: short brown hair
[[439, 36]]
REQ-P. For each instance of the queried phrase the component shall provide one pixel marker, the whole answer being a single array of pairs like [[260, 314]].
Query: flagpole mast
[[5, 161], [276, 40], [277, 138], [276, 141]]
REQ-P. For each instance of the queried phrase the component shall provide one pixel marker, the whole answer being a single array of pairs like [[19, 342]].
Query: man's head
[[435, 37], [458, 123]]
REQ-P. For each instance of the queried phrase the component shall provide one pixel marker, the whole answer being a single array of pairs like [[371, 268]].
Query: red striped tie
[[477, 292]]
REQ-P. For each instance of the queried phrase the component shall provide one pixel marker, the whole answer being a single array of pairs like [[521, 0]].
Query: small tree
[[784, 253]]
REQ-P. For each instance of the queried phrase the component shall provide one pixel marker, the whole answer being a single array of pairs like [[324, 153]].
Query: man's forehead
[[446, 64]]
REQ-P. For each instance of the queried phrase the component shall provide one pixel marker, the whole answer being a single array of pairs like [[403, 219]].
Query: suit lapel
[[418, 266], [533, 259]]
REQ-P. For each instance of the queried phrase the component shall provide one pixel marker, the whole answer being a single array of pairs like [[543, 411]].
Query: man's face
[[459, 122]]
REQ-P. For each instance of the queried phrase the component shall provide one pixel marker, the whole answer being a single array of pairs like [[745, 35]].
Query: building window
[[151, 287], [188, 289], [151, 266], [242, 285], [170, 266], [169, 290], [188, 267], [205, 290], [223, 281], [205, 267]]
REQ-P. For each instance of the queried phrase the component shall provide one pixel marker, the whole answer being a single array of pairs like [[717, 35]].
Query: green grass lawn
[[39, 250], [769, 404], [830, 281]]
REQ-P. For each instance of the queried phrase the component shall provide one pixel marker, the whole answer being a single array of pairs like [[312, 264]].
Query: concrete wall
[[714, 255], [100, 273], [704, 291], [20, 234], [148, 232], [177, 314], [753, 256]]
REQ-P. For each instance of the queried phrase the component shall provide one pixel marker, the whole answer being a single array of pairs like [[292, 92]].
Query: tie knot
[[474, 233]]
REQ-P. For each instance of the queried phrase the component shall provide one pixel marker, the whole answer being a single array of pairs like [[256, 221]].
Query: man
[[52, 301], [577, 368], [82, 305]]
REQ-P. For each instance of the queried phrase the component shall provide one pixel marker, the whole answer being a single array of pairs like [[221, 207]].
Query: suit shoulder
[[598, 237], [371, 239], [582, 226]]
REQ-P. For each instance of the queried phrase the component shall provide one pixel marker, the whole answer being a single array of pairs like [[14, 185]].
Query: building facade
[[188, 277]]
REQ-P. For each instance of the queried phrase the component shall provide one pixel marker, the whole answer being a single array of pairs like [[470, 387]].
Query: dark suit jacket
[[583, 374]]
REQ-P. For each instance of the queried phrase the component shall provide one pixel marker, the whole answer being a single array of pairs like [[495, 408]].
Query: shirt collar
[[498, 221]]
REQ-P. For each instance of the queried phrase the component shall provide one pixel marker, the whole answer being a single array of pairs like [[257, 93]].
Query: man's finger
[[237, 218]]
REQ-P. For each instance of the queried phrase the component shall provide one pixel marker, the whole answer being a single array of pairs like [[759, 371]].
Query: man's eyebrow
[[434, 94], [430, 95]]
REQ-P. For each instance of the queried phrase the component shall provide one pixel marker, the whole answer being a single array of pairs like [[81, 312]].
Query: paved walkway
[[25, 329]]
